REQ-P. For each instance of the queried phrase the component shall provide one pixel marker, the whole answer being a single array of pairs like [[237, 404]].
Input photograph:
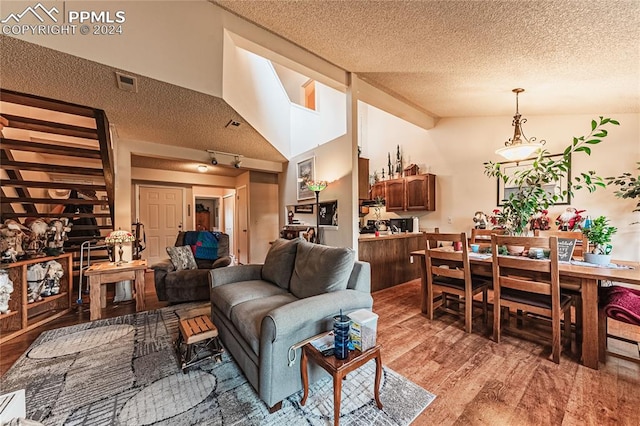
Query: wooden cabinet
[[363, 178], [377, 190], [420, 191], [25, 316], [395, 195], [203, 221]]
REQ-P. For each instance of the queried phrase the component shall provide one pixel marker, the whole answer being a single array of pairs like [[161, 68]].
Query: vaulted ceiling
[[462, 58]]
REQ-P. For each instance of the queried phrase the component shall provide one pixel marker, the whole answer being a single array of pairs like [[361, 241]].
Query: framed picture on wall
[[306, 172], [328, 213], [557, 187]]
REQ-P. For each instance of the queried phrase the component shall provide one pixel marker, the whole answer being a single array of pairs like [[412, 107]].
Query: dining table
[[576, 276]]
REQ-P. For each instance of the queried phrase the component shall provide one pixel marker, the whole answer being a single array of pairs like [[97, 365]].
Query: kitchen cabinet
[[395, 195], [24, 316], [420, 192], [377, 190], [363, 178]]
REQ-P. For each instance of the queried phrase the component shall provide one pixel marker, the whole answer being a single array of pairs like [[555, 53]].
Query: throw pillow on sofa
[[278, 265], [320, 269], [182, 258]]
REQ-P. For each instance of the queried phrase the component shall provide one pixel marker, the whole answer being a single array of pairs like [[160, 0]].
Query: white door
[[228, 204], [242, 207], [161, 213]]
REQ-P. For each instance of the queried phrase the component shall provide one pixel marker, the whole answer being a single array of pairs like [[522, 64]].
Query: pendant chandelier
[[519, 147]]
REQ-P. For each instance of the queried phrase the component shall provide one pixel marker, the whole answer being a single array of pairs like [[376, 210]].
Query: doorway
[[161, 210]]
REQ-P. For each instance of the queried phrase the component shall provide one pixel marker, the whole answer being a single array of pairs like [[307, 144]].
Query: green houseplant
[[600, 234], [530, 196], [629, 187]]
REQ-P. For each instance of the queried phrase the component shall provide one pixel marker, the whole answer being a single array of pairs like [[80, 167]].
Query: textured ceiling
[[160, 112], [462, 58]]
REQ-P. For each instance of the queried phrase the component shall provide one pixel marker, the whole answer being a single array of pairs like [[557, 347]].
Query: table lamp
[[317, 186], [119, 237]]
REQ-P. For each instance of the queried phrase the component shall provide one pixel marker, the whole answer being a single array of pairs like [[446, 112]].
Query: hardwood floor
[[476, 380]]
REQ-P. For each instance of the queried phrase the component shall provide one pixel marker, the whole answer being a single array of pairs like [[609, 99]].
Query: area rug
[[124, 371]]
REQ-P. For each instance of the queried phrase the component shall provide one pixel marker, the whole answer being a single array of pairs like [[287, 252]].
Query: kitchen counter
[[390, 258]]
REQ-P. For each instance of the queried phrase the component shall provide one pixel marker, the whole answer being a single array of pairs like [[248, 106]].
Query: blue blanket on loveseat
[[204, 244]]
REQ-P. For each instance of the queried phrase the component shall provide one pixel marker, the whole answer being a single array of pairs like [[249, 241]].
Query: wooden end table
[[339, 368], [108, 272]]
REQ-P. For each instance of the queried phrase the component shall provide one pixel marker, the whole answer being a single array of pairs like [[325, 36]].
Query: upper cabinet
[[411, 193], [363, 178], [420, 192]]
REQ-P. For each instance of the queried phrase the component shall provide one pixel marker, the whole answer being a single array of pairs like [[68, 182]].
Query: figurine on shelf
[[398, 163], [570, 220], [540, 221], [480, 219], [58, 229], [35, 282], [54, 272], [389, 165], [6, 288]]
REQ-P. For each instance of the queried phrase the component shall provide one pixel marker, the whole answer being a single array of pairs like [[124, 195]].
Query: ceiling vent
[[233, 124], [127, 83]]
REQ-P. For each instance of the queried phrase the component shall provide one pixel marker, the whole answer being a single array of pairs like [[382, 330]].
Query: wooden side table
[[107, 272], [339, 368]]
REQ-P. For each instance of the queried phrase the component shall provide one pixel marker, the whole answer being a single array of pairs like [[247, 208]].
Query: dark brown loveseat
[[189, 285]]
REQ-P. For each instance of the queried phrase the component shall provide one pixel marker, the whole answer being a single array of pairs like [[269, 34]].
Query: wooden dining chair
[[582, 245], [530, 285], [449, 272], [483, 236]]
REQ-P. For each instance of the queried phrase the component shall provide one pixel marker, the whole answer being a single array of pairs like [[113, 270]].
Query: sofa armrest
[[221, 262], [164, 265], [221, 276], [293, 317]]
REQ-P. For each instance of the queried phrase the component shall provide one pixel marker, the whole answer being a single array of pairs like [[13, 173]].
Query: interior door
[[229, 219], [161, 213], [242, 207]]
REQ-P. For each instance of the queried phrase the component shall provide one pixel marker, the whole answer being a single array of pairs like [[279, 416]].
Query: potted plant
[[629, 187], [530, 196], [600, 234]]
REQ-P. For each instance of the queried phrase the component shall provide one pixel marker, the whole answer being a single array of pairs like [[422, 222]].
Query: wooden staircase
[[50, 147]]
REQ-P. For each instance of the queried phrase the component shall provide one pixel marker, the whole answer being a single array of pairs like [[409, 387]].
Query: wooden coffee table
[[339, 368]]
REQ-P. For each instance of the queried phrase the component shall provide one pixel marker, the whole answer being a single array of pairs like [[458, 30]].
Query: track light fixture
[[225, 158]]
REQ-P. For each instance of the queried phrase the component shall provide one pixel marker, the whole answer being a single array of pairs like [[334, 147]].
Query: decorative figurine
[[35, 282], [54, 272], [480, 219], [6, 288], [570, 220], [540, 221]]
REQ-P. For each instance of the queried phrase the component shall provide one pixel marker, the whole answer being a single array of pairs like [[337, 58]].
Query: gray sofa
[[262, 310]]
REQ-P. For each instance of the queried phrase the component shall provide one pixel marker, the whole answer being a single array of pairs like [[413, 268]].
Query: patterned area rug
[[124, 371]]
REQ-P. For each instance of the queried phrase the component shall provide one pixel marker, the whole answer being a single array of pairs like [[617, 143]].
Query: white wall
[[456, 149], [333, 162]]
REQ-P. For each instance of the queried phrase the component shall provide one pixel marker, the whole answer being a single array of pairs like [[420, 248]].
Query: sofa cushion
[[320, 269], [182, 258], [247, 317], [278, 265], [225, 297]]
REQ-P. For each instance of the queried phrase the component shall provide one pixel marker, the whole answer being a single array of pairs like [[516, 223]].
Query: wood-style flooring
[[477, 381]]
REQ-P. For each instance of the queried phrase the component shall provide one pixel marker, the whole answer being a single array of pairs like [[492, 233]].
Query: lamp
[[317, 186], [202, 168], [119, 237], [519, 147]]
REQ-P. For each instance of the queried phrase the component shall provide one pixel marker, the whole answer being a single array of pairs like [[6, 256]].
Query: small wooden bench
[[201, 335]]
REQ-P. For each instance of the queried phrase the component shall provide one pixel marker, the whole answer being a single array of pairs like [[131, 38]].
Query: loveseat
[[262, 310], [174, 284]]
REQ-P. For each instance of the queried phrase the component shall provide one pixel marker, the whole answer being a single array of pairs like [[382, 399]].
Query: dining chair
[[581, 246], [573, 290], [483, 236], [449, 272], [530, 285], [621, 304]]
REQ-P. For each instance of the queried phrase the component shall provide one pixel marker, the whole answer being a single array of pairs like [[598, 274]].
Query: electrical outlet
[[449, 220], [410, 259]]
